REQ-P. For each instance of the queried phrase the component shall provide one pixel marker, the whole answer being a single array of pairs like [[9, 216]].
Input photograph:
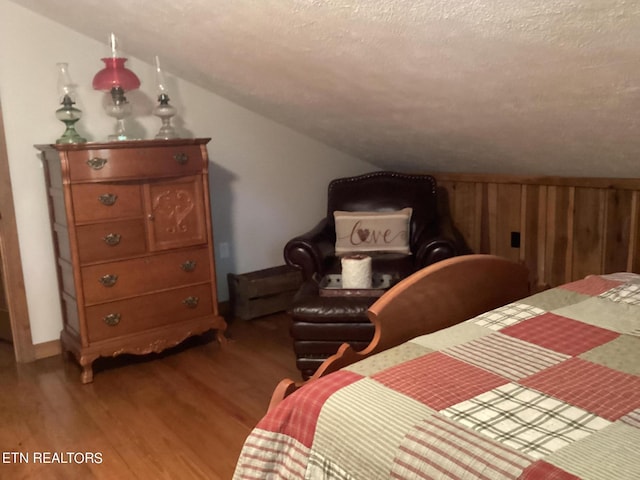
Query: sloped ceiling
[[548, 87]]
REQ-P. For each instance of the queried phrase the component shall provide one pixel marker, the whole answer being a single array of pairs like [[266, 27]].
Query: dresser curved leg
[[87, 369], [220, 337]]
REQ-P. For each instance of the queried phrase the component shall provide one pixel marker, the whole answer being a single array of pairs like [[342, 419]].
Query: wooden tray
[[331, 286]]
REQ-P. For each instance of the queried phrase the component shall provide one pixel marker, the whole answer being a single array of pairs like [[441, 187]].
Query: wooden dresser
[[132, 229]]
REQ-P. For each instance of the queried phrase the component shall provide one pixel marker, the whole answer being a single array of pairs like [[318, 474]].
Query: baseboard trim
[[47, 349]]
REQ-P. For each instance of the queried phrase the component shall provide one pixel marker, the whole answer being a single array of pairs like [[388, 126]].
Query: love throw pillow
[[372, 231]]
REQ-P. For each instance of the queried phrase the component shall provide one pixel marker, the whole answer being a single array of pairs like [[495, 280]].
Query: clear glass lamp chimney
[[164, 110]]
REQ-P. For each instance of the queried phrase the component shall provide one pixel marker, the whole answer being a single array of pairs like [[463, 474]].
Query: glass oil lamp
[[67, 113], [164, 110]]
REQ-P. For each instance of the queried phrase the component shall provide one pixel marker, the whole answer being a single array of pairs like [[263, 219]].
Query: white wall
[[268, 182]]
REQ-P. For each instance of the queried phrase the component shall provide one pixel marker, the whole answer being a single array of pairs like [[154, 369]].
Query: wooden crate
[[263, 292]]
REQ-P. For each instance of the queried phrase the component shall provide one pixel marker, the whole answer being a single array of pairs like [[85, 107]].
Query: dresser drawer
[[103, 201], [111, 281], [115, 319], [110, 240], [125, 163]]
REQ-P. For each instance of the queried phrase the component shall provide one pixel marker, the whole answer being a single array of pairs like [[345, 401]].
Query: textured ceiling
[[508, 86]]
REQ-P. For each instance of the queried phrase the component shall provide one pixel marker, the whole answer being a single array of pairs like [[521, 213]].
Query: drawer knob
[[112, 319], [112, 239], [108, 199], [188, 266], [191, 302], [181, 158], [108, 280], [96, 163]]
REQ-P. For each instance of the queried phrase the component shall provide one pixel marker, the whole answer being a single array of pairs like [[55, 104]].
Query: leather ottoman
[[322, 323]]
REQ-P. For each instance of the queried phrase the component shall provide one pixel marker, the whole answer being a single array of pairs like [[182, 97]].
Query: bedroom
[[249, 153]]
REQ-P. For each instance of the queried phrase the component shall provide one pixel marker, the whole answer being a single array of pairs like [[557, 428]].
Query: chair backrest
[[385, 191]]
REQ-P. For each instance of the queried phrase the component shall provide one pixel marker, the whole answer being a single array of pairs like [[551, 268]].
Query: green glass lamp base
[[70, 135]]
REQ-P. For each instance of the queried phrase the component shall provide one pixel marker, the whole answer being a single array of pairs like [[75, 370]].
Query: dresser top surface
[[123, 144]]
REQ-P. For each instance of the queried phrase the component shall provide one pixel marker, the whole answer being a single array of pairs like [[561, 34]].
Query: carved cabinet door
[[175, 213]]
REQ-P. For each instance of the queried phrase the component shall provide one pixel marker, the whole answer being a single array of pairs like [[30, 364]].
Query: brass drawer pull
[[112, 239], [191, 302], [97, 163], [181, 158], [108, 199], [112, 319], [188, 266], [108, 280]]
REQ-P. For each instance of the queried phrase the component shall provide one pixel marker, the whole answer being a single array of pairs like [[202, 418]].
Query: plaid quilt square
[[506, 356], [359, 431], [526, 420], [622, 354], [550, 300], [628, 293], [598, 389], [632, 418], [256, 458], [625, 277], [592, 285], [322, 467], [298, 420], [439, 448], [615, 316], [609, 454], [509, 314], [438, 380], [388, 358], [560, 334]]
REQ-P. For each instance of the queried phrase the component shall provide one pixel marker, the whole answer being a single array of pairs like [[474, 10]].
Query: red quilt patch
[[546, 471], [297, 415], [560, 334], [607, 393], [592, 285], [438, 380]]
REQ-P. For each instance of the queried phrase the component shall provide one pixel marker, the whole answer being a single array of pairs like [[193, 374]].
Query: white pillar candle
[[356, 271]]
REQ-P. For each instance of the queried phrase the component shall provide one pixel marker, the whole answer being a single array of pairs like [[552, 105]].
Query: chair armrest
[[309, 250], [438, 243]]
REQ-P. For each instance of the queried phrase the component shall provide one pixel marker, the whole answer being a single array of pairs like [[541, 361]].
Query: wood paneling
[[617, 229], [568, 227]]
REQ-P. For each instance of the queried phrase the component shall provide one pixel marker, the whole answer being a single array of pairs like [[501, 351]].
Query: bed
[[469, 376]]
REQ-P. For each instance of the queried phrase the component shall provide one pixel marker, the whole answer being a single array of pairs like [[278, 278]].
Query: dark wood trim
[[587, 182], [11, 263]]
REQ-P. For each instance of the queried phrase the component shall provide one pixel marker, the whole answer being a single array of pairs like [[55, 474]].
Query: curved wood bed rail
[[436, 297]]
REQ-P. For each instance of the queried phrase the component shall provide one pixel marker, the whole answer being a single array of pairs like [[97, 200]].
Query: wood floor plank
[[181, 414]]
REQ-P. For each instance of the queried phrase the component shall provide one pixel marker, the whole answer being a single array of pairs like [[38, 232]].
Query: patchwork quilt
[[547, 387]]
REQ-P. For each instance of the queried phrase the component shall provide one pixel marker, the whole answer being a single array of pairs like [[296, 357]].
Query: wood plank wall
[[567, 227]]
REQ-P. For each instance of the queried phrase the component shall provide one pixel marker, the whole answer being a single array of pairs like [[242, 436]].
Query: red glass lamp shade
[[115, 74]]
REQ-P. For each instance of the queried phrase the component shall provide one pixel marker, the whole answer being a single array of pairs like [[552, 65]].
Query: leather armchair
[[432, 236]]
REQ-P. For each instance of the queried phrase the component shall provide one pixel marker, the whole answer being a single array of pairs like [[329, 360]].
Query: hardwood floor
[[181, 414]]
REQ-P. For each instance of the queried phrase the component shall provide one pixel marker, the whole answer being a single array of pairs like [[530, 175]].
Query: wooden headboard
[[436, 297]]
